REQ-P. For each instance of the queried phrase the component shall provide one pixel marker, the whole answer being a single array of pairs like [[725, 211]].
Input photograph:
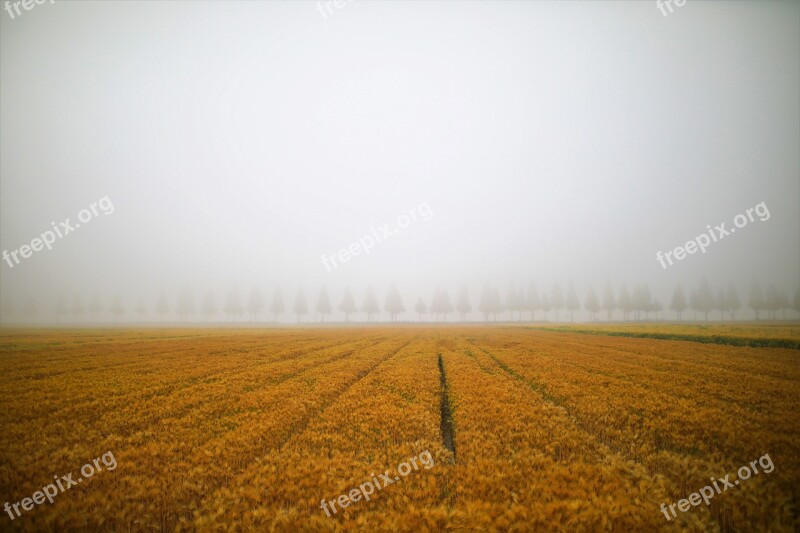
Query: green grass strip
[[706, 339]]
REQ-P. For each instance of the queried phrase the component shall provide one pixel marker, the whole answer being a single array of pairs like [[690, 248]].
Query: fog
[[242, 145]]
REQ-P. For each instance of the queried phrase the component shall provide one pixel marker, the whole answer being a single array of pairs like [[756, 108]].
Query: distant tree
[[440, 304], [462, 304], [77, 306], [30, 310], [323, 304], [625, 303], [573, 303], [510, 303], [732, 301], [783, 304], [532, 300], [117, 308], [775, 301], [277, 308], [348, 305], [515, 301], [521, 303], [61, 307], [705, 298], [255, 304], [233, 304], [95, 308], [140, 309], [545, 305], [592, 304], [421, 308], [8, 308], [642, 300], [394, 303], [651, 305], [771, 301], [694, 304], [756, 299], [656, 307], [609, 303], [490, 303], [162, 307], [436, 305], [447, 305], [678, 303], [637, 300], [557, 299], [370, 306], [209, 307], [497, 303], [720, 303], [300, 306], [796, 300], [485, 304], [185, 304]]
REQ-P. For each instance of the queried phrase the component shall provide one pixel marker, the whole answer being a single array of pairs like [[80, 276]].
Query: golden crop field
[[527, 429]]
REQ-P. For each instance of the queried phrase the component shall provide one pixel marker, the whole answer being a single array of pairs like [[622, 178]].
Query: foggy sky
[[239, 142]]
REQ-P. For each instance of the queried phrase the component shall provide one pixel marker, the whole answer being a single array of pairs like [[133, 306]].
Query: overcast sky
[[239, 142]]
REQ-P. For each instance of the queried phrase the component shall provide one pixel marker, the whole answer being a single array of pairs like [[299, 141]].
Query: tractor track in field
[[299, 427], [446, 411], [719, 517], [623, 351], [274, 382], [186, 385], [283, 356], [664, 442], [303, 425], [182, 389], [559, 402]]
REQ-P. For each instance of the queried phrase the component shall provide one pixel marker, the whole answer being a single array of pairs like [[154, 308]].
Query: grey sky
[[241, 141]]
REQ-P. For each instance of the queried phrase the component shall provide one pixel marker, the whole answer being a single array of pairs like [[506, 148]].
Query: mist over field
[[383, 265], [236, 149]]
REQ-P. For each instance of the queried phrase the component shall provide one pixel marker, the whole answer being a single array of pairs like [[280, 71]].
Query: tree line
[[517, 304]]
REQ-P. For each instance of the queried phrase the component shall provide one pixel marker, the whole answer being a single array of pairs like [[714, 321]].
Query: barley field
[[528, 429]]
